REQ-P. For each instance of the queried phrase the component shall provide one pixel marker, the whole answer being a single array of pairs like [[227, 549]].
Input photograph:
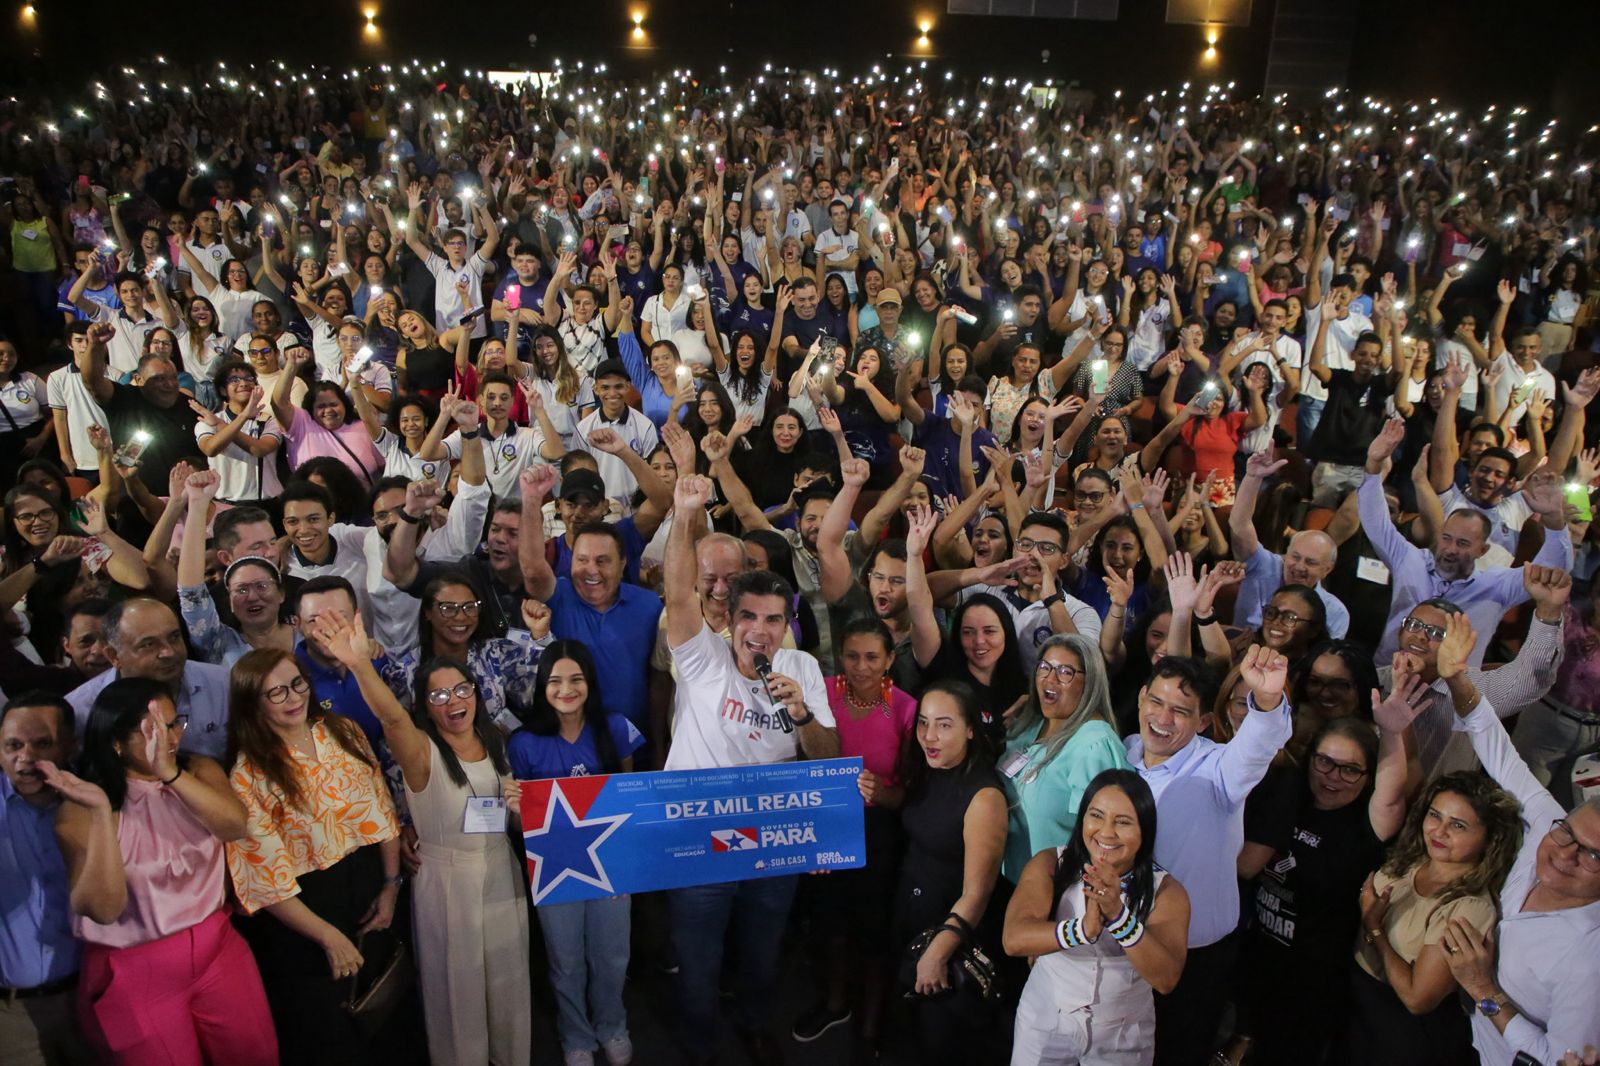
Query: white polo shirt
[[722, 718], [447, 305], [1342, 334], [637, 431], [23, 402], [245, 477], [504, 457], [65, 391], [234, 308], [211, 256], [127, 344], [834, 247]]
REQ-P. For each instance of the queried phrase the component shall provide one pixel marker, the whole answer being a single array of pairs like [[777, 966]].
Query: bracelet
[[397, 880], [1204, 620], [1069, 934], [1374, 935], [175, 775], [469, 434], [1127, 930], [1136, 506], [803, 722], [405, 516]]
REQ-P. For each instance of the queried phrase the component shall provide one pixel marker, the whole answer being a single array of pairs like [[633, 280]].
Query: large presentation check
[[591, 837]]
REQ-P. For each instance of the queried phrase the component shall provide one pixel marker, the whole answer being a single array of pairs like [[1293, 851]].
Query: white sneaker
[[579, 1058], [619, 1050]]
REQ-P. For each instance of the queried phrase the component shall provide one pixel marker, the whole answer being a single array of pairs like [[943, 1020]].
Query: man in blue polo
[[617, 621]]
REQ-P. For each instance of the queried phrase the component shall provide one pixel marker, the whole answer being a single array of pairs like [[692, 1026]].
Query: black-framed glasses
[[1346, 771], [261, 351], [1269, 613], [1332, 684], [1417, 625], [28, 518], [451, 609], [1066, 673], [1043, 547], [280, 693], [1563, 837], [441, 696], [1090, 497], [244, 379]]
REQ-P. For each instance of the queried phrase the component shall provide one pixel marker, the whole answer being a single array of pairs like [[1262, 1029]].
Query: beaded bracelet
[[1069, 934], [1126, 929]]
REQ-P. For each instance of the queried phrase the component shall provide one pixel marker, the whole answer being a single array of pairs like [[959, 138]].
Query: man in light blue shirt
[[38, 953], [1200, 788], [143, 639], [1309, 560], [1449, 571]]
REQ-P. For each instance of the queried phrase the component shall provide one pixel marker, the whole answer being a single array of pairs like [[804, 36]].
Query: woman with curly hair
[[1450, 861]]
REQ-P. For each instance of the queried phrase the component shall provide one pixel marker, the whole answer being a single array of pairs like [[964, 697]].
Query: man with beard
[[1449, 571], [152, 406], [1040, 607], [1522, 681], [1310, 557]]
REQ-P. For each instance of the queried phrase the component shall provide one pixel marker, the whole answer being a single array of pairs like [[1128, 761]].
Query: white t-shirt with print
[[722, 718]]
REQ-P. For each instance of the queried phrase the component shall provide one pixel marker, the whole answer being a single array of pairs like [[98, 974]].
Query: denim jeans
[[700, 917], [588, 948], [1306, 418]]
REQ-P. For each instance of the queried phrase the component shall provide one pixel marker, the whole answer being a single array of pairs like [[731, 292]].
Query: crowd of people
[[1171, 502]]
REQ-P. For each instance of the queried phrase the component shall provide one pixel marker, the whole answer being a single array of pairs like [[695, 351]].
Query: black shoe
[[816, 1021], [761, 1049]]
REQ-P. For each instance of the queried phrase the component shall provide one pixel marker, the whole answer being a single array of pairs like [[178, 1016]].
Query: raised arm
[[925, 636], [691, 494]]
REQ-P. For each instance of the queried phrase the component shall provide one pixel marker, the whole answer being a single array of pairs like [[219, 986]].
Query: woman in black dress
[[954, 819]]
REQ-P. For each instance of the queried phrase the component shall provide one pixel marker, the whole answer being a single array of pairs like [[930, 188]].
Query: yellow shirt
[[35, 254], [349, 807]]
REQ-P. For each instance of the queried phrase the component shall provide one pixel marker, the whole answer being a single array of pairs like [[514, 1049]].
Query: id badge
[[1372, 570], [484, 814], [1014, 765]]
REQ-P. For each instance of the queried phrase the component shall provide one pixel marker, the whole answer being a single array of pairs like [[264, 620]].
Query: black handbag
[[970, 973], [382, 983]]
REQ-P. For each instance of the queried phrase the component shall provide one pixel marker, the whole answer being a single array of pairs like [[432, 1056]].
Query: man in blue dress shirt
[[38, 954], [1200, 788]]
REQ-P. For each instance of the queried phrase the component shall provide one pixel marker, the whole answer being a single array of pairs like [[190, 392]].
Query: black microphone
[[764, 668]]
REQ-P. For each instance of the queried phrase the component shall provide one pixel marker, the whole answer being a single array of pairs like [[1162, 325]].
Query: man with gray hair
[[1310, 557], [144, 639]]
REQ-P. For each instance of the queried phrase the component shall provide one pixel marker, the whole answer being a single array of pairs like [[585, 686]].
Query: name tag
[[1014, 765], [484, 814], [1460, 249], [1372, 570]]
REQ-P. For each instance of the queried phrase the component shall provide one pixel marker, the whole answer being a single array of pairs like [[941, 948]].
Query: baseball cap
[[583, 483], [610, 368], [887, 295]]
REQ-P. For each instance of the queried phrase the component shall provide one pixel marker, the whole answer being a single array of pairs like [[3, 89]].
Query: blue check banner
[[592, 837]]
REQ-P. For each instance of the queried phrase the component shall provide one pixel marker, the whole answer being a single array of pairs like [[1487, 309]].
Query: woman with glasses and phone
[[165, 977], [318, 867], [1060, 740], [569, 733], [1302, 910], [1448, 863], [451, 624], [470, 916]]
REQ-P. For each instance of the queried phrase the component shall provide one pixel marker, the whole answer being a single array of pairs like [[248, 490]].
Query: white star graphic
[[600, 879]]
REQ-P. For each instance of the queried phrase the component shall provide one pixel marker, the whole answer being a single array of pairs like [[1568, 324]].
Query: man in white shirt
[[133, 322], [795, 223], [630, 424], [73, 407], [318, 546], [1514, 370], [455, 269], [508, 448], [1534, 984], [726, 714], [1344, 329], [838, 246]]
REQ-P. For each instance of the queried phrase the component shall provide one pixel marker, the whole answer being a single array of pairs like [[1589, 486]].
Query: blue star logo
[[568, 846]]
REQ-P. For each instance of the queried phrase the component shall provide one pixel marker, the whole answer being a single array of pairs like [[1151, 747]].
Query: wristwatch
[[802, 722], [405, 516], [1054, 598], [1489, 1006]]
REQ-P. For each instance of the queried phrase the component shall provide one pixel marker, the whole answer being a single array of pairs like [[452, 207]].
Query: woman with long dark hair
[[954, 817], [1107, 926], [1304, 903], [780, 449], [165, 978], [569, 734], [319, 867], [1449, 862], [469, 915]]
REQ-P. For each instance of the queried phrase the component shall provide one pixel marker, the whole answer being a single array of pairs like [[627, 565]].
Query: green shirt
[[1043, 797], [34, 254]]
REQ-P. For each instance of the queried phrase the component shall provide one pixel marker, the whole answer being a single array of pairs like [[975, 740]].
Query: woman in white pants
[[1106, 928]]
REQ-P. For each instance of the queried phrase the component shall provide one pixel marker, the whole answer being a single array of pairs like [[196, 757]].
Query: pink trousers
[[187, 999]]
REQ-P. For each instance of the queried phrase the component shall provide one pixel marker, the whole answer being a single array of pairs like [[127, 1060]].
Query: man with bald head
[[1309, 558], [144, 639]]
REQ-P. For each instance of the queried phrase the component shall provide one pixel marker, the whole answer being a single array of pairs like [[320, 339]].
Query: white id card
[[484, 814], [1014, 765], [1372, 570]]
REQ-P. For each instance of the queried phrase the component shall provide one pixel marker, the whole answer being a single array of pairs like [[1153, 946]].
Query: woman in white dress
[[1106, 927]]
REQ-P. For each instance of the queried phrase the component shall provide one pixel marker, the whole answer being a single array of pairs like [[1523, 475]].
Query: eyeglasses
[[244, 379], [1066, 673], [1045, 548], [1269, 613], [28, 518], [280, 693], [1332, 684], [454, 610], [261, 351], [1346, 771], [1090, 497], [1561, 834], [1416, 625], [178, 724], [251, 588], [894, 582], [441, 696]]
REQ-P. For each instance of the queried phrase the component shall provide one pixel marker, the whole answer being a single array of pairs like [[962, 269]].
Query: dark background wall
[[1472, 51]]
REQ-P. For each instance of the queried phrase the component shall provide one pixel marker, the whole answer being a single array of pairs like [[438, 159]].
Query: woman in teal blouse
[[1061, 739]]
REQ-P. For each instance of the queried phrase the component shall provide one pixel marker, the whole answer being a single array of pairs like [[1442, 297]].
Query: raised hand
[[1266, 672], [680, 445], [1548, 587], [690, 493], [422, 497], [201, 489], [1154, 489], [536, 617], [1182, 587], [537, 481], [1408, 697], [714, 446], [342, 636], [1456, 648], [920, 521], [1118, 586], [1586, 388], [158, 746], [1385, 443], [94, 516], [607, 440], [913, 460], [855, 472], [828, 418], [1543, 491]]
